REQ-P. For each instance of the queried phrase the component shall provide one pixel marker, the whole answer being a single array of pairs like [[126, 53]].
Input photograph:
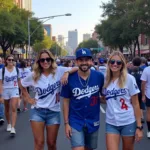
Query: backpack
[[3, 72]]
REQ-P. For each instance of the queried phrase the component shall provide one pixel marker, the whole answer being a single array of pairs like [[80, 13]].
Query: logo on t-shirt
[[9, 79], [87, 92]]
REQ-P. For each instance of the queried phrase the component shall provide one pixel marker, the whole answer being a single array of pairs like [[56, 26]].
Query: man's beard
[[88, 67]]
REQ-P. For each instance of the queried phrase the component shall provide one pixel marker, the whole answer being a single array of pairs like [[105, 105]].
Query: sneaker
[[1, 121], [8, 128], [148, 135], [18, 110], [13, 131]]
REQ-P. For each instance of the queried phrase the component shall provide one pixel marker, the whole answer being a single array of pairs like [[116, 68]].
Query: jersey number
[[57, 98], [15, 83], [94, 100], [124, 105]]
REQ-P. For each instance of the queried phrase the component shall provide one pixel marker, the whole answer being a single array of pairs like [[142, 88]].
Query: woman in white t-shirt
[[9, 91], [123, 117], [45, 109], [24, 71]]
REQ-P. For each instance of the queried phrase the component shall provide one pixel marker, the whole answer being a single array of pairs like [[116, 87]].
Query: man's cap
[[83, 52], [101, 60]]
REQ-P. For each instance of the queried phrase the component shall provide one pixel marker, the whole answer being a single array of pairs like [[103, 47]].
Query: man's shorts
[[84, 139], [45, 115], [126, 130], [147, 102], [10, 93]]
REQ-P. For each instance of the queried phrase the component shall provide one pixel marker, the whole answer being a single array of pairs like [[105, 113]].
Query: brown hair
[[7, 58]]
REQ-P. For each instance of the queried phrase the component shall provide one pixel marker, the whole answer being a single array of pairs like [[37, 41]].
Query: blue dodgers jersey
[[84, 106]]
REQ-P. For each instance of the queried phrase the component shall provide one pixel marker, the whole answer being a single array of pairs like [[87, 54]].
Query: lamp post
[[30, 34]]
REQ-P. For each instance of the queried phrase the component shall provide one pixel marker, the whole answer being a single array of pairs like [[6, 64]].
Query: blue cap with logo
[[101, 60], [83, 52]]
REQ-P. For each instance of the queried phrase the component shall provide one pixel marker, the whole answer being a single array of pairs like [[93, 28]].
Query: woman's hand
[[68, 131], [138, 135], [31, 101]]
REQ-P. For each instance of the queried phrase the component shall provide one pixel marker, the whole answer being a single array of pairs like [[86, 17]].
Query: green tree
[[45, 44], [55, 49], [6, 4]]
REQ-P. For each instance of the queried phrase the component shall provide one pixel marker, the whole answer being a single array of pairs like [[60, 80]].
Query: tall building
[[61, 40], [73, 39], [48, 28], [86, 37], [25, 4]]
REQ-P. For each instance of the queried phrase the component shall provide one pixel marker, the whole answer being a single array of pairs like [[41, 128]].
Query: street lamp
[[30, 34]]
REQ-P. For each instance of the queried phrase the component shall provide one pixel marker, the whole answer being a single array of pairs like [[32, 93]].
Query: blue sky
[[85, 15]]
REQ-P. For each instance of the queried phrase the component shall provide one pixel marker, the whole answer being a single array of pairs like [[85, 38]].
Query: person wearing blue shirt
[[81, 103]]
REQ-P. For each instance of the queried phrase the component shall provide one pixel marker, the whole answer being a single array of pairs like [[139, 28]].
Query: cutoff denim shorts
[[45, 115], [84, 139], [126, 130]]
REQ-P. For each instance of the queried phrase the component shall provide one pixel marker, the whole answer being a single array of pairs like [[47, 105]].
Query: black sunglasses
[[10, 59], [45, 59], [118, 62]]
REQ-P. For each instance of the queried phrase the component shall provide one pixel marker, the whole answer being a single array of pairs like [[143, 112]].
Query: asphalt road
[[24, 138]]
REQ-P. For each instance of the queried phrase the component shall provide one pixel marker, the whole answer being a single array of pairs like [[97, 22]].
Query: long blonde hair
[[37, 69], [123, 71]]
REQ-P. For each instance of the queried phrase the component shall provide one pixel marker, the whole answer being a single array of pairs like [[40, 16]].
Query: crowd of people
[[123, 86]]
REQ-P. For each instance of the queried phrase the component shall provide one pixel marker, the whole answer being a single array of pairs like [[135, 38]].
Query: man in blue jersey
[[81, 104]]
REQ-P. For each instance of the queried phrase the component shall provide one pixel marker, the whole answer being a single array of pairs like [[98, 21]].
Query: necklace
[[86, 82]]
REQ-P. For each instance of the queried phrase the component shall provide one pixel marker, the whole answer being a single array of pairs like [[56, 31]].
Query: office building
[[25, 4], [61, 40], [48, 29], [73, 39], [86, 37]]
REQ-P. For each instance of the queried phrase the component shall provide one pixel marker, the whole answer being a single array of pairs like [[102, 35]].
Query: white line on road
[[102, 110]]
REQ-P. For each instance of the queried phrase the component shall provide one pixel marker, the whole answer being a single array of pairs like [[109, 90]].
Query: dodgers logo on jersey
[[42, 93], [87, 92], [9, 79], [114, 93]]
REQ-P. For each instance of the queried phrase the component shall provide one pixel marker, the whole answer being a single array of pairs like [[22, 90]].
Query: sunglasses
[[10, 59], [118, 62], [42, 60]]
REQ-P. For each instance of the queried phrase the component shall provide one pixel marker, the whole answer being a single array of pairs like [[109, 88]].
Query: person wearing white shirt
[[123, 116], [24, 71], [145, 86], [45, 109], [9, 91]]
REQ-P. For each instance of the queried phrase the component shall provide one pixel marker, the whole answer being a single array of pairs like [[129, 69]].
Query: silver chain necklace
[[86, 82]]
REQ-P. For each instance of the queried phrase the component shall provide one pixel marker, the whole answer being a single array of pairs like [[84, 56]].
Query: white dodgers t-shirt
[[24, 72], [119, 111], [10, 78], [102, 69], [47, 89], [146, 77]]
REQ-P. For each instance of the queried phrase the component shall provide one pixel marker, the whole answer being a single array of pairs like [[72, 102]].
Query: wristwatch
[[140, 128]]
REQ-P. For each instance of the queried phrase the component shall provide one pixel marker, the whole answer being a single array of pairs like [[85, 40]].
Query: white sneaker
[[148, 135], [8, 128], [13, 131]]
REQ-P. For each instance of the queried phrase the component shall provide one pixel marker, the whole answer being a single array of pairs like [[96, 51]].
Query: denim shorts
[[45, 115], [84, 139], [10, 93], [126, 130]]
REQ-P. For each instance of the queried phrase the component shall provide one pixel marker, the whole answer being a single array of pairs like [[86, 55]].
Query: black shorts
[[147, 102], [140, 100]]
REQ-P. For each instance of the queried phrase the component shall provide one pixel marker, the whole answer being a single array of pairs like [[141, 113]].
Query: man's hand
[[68, 131]]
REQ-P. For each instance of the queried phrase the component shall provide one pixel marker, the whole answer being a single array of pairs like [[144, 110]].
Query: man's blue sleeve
[[66, 91]]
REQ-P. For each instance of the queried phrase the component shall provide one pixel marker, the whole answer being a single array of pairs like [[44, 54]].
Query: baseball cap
[[101, 60], [83, 52]]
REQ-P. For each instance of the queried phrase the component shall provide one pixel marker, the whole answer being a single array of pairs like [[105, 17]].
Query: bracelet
[[66, 123], [67, 72]]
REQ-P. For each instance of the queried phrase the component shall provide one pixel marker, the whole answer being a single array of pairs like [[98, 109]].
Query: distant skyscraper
[[25, 4], [86, 37], [48, 28], [61, 40], [73, 39]]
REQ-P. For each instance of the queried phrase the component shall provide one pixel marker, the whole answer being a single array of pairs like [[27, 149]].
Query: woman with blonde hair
[[123, 117], [45, 109]]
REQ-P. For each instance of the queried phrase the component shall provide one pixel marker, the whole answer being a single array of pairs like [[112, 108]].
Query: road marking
[[102, 110]]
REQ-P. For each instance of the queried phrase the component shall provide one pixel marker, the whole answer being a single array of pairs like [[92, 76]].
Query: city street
[[24, 138]]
